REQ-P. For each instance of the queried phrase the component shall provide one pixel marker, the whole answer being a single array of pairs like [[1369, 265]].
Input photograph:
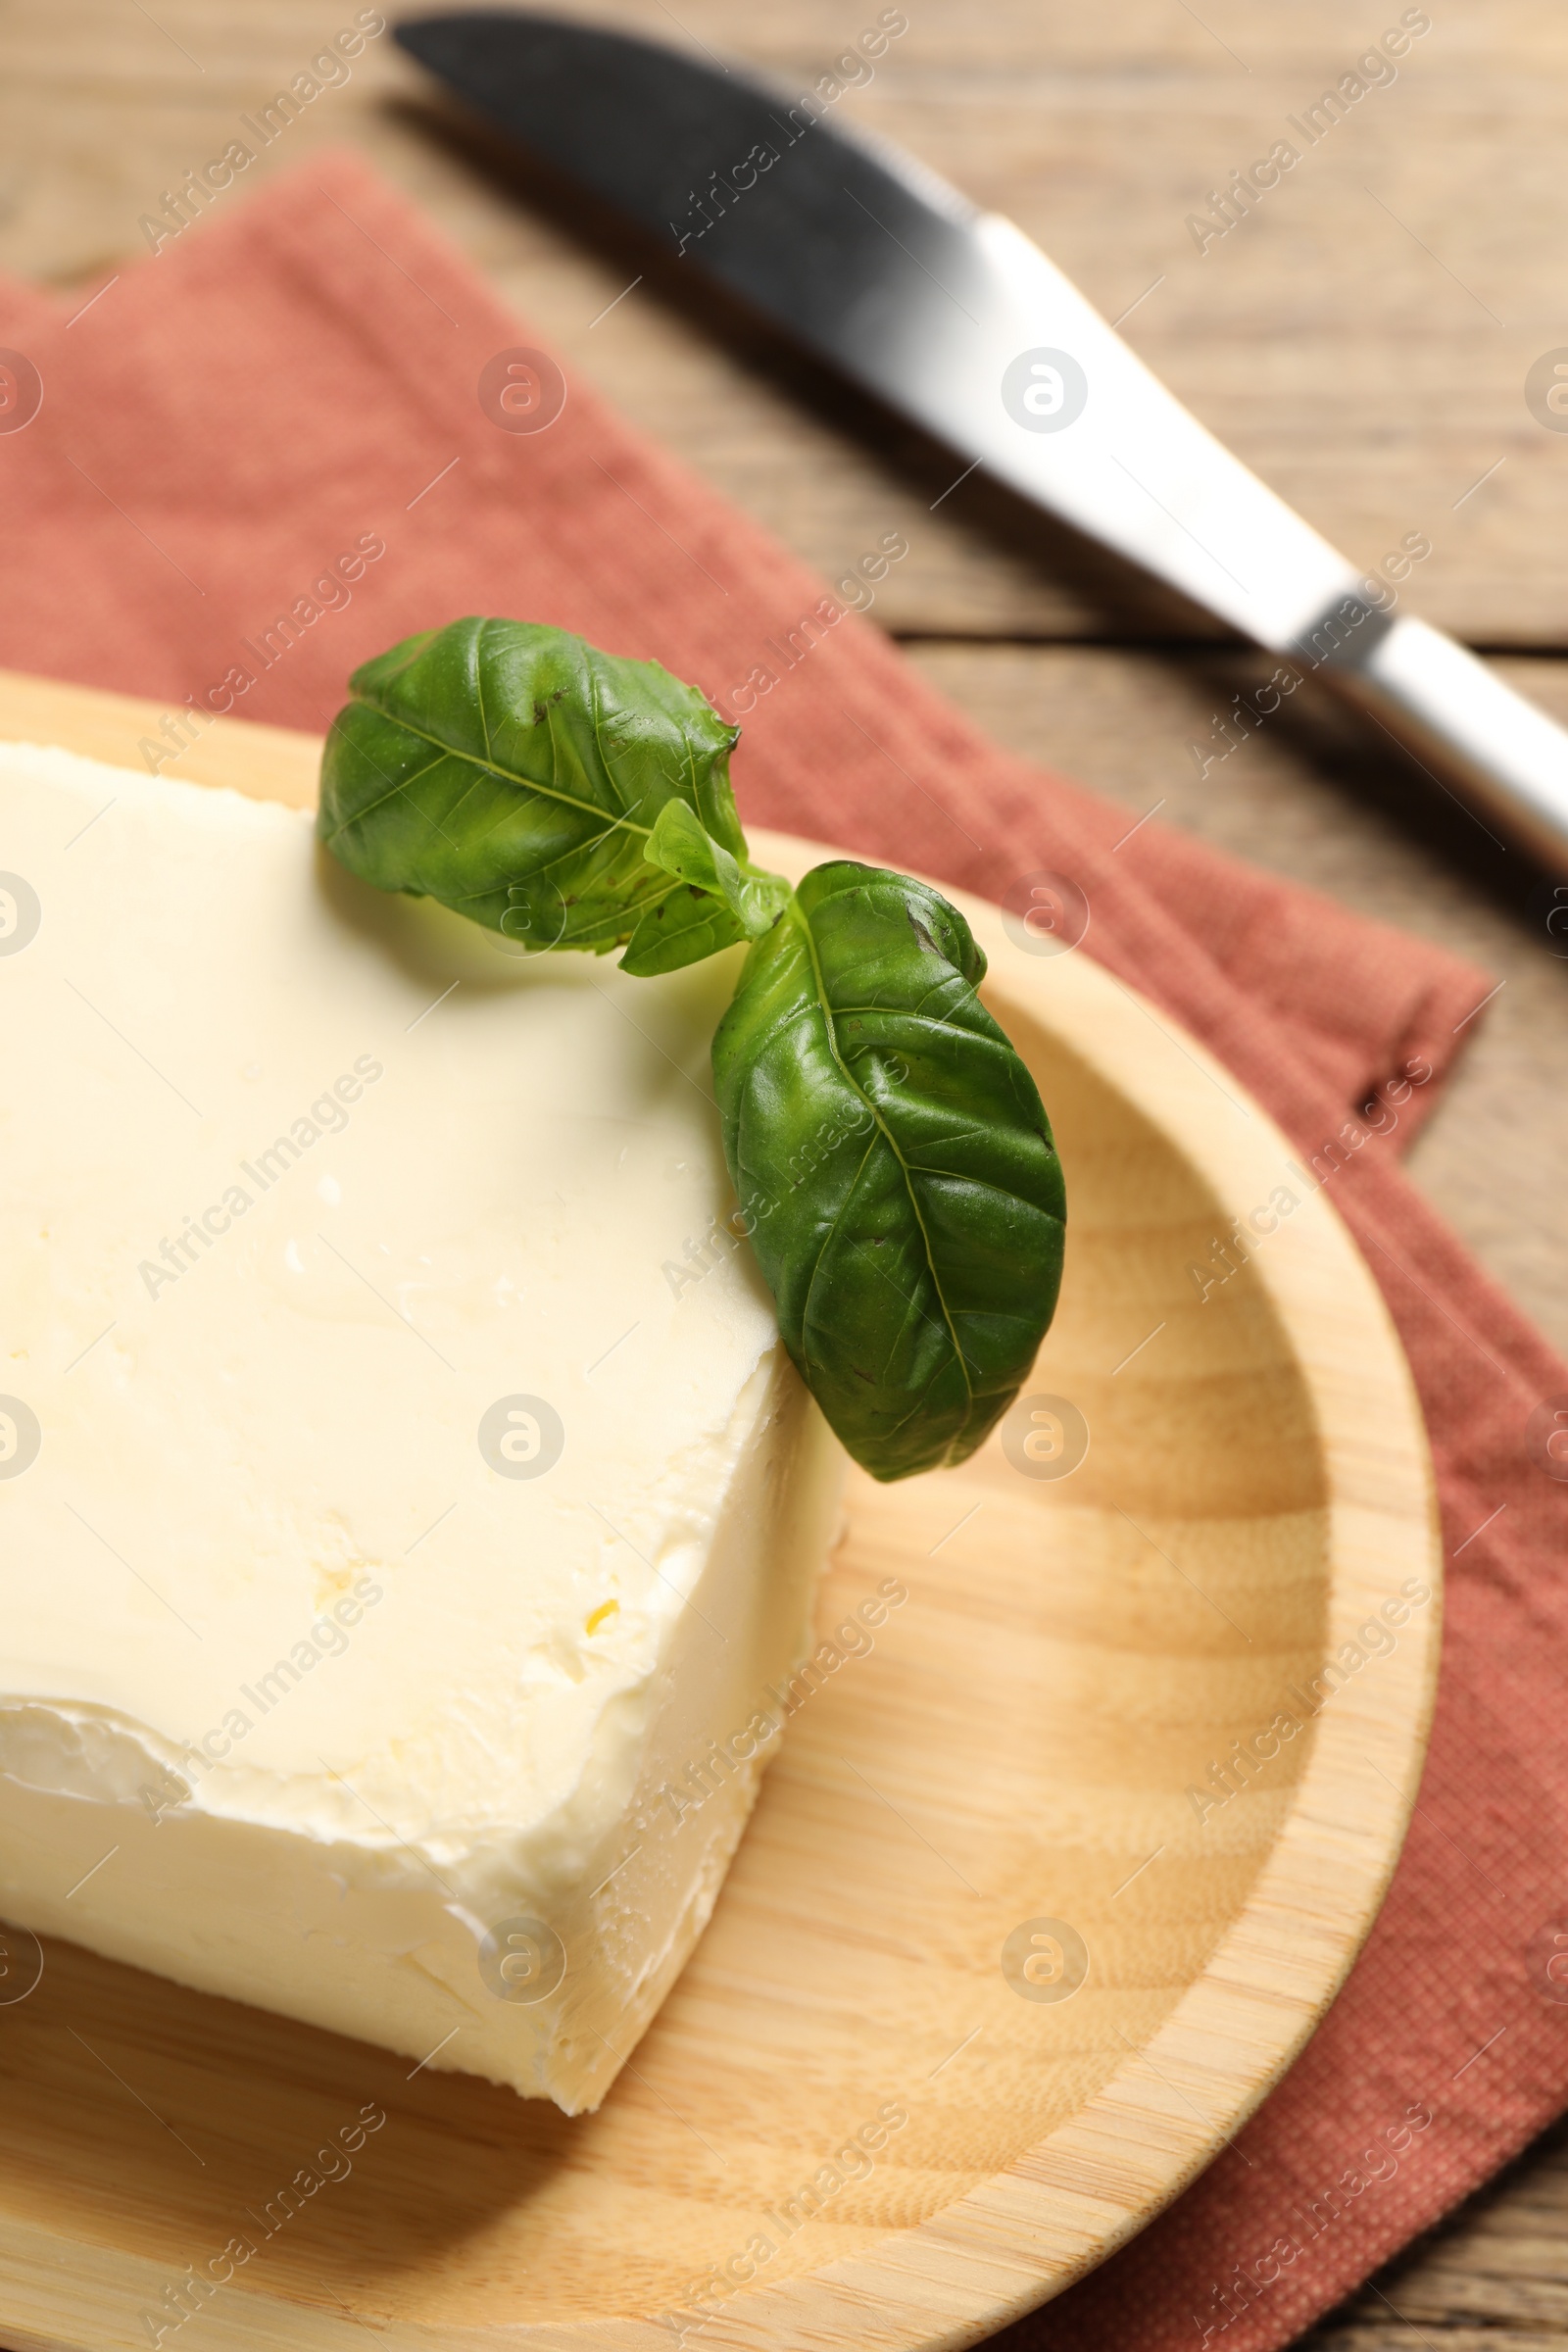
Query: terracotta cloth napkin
[[296, 379]]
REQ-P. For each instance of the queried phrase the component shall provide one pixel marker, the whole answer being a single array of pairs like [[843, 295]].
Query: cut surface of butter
[[403, 1485]]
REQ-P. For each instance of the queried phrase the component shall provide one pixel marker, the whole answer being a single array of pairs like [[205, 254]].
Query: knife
[[953, 316]]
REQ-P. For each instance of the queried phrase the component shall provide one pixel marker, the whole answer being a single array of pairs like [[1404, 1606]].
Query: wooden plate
[[1000, 1967]]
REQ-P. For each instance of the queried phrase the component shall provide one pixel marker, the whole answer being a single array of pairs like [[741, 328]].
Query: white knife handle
[[1508, 758], [1136, 471]]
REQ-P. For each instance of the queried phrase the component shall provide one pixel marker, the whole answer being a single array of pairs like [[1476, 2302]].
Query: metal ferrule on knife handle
[[1460, 719], [955, 318]]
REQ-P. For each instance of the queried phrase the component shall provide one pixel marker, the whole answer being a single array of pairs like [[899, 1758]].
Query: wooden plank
[[1362, 339]]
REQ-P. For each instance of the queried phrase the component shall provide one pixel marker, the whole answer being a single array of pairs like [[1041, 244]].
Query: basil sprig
[[893, 1162]]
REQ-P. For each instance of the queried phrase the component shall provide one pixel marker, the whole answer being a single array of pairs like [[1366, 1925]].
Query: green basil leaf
[[680, 846], [894, 1164], [517, 774], [723, 902], [678, 929]]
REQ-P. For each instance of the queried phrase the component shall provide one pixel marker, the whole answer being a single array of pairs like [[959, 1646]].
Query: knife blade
[[953, 317]]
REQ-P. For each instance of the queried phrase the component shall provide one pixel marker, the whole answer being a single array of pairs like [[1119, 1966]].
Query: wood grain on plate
[[1005, 1775]]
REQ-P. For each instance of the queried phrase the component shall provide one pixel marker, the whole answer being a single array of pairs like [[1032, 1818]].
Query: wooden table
[[1363, 341]]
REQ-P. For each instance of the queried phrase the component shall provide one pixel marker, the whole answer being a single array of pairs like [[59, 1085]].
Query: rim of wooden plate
[[1071, 2199]]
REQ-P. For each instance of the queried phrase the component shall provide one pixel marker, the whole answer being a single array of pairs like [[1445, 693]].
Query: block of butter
[[402, 1482]]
